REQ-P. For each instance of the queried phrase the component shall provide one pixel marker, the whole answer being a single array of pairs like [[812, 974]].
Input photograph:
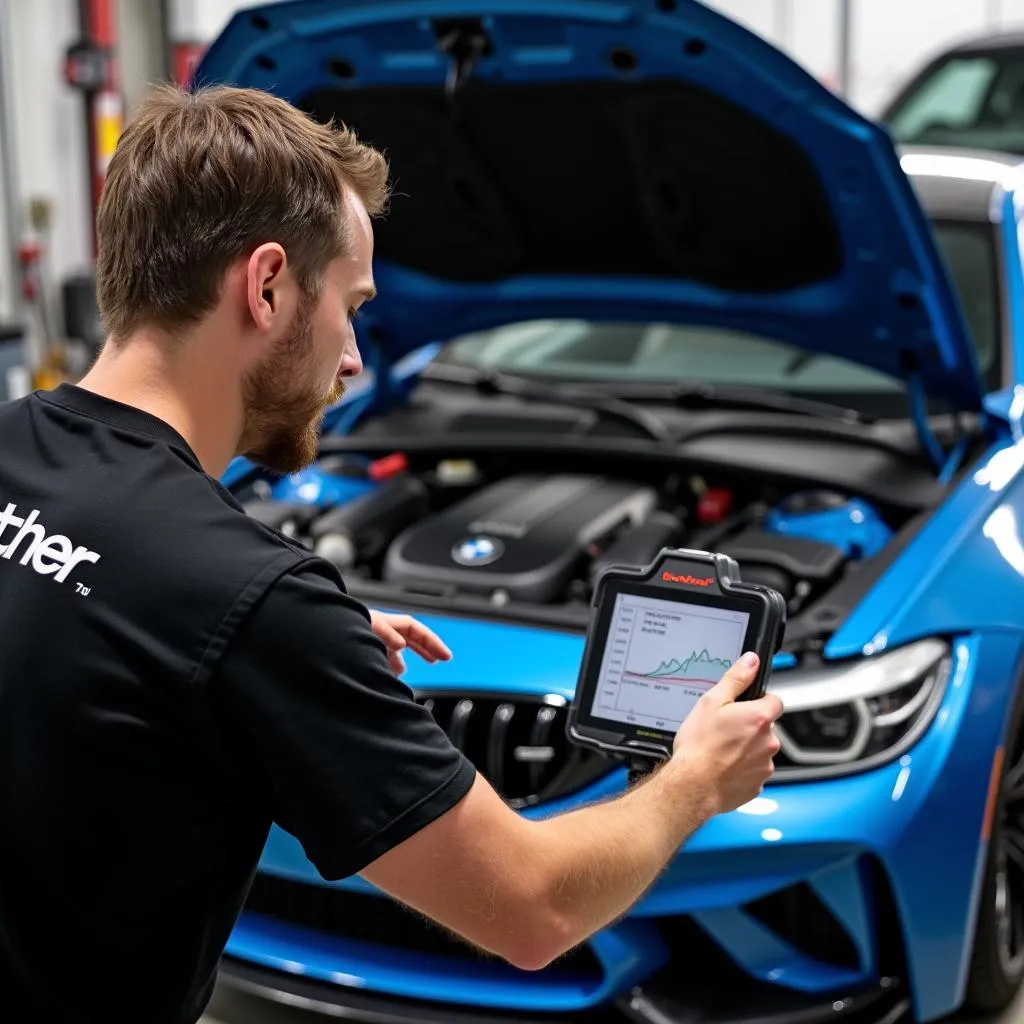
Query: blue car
[[645, 283]]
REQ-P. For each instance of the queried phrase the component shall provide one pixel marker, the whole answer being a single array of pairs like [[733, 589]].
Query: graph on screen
[[696, 667], [660, 656]]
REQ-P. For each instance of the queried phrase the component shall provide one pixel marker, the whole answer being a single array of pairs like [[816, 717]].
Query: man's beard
[[284, 404]]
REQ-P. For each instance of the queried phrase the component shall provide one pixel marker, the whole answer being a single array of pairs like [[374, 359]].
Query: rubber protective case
[[688, 577]]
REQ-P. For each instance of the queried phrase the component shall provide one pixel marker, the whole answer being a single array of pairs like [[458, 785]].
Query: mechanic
[[175, 677]]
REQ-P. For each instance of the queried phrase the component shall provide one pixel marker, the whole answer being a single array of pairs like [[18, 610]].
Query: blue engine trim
[[313, 486], [855, 527]]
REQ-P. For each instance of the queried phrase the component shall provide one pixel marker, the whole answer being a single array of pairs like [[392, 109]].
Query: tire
[[997, 960]]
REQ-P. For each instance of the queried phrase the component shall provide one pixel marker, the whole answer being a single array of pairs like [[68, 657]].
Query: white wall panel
[[812, 37], [142, 54], [199, 21], [8, 177], [759, 16], [50, 131]]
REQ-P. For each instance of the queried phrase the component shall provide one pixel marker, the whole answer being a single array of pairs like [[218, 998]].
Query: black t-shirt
[[174, 677]]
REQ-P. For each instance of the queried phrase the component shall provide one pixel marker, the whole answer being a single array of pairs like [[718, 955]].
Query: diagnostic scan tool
[[659, 638]]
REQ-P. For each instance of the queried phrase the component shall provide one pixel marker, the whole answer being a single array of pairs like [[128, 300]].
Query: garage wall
[[49, 128]]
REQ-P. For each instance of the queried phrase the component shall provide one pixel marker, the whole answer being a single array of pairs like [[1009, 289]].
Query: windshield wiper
[[497, 382], [724, 396], [619, 405]]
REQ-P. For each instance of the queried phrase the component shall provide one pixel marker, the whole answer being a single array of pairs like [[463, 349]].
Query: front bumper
[[657, 1002], [876, 882]]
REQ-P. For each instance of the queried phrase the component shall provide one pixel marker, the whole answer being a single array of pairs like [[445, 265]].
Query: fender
[[963, 572]]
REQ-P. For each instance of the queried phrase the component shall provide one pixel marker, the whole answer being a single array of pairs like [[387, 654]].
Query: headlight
[[856, 715]]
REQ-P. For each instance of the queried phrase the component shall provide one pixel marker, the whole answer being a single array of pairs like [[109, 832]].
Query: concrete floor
[[233, 1008]]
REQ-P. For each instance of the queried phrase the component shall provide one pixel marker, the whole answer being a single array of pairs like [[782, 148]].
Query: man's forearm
[[530, 890], [598, 861]]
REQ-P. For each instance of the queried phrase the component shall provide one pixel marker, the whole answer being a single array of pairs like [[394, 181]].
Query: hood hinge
[[919, 417], [946, 463]]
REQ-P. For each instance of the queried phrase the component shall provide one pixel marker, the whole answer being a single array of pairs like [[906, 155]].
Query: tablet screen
[[660, 656]]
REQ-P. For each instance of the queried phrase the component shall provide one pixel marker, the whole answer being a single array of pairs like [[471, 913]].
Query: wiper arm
[[708, 396], [497, 382], [682, 394]]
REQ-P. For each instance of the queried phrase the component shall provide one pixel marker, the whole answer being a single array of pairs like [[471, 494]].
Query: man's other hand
[[403, 631]]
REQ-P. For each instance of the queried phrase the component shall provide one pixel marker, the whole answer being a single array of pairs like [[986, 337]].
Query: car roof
[[987, 43], [958, 183]]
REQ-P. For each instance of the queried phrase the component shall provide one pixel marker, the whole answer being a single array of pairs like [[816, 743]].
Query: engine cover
[[526, 536]]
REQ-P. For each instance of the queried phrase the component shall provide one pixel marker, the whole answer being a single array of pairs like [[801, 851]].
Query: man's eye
[[354, 314]]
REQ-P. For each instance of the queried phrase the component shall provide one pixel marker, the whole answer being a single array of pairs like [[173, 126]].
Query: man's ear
[[268, 286]]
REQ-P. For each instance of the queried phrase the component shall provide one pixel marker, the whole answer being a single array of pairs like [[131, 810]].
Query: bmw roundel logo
[[477, 550]]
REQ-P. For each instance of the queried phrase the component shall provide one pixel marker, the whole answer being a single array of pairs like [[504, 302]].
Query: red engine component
[[714, 505], [387, 467]]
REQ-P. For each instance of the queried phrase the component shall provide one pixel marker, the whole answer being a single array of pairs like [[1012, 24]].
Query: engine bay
[[503, 537]]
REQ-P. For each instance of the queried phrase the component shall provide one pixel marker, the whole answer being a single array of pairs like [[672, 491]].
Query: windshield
[[585, 350], [974, 100]]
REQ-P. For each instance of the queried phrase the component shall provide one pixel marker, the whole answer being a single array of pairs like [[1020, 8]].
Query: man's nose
[[351, 362]]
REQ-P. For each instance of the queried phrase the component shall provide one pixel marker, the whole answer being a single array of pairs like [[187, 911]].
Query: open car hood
[[618, 160]]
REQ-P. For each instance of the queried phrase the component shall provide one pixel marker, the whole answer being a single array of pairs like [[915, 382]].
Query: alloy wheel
[[1009, 865]]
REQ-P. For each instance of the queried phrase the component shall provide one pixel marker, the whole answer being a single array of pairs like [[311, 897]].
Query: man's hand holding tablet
[[730, 741]]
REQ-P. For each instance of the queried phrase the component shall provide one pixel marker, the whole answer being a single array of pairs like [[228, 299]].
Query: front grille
[[517, 743], [379, 920]]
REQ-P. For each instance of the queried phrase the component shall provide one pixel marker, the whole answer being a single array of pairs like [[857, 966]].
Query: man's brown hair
[[199, 180]]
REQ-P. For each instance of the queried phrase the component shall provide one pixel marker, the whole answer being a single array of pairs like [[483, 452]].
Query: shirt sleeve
[[345, 759]]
